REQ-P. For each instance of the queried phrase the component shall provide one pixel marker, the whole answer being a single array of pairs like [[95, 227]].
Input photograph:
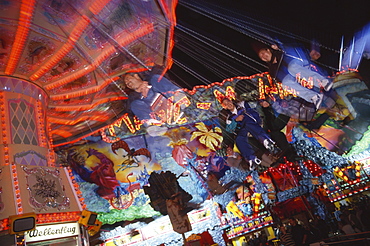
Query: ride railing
[[358, 239]]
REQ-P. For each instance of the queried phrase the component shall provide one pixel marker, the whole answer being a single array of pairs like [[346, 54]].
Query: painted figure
[[242, 121]]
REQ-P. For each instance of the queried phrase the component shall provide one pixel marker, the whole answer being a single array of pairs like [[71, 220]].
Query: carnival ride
[[77, 51]]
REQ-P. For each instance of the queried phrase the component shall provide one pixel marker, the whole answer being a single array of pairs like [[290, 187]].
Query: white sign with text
[[46, 232]]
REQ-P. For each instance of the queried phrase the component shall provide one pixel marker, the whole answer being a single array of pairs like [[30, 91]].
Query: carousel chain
[[221, 45], [258, 35], [194, 53]]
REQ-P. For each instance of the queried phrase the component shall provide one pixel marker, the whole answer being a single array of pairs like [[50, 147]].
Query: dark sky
[[213, 37]]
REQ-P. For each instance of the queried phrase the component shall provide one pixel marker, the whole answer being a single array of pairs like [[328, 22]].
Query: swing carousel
[[66, 109]]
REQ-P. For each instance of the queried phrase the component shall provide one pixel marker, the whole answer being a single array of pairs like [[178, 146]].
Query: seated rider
[[145, 92], [294, 69], [242, 121]]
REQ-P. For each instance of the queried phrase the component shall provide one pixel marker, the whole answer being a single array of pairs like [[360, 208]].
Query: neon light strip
[[57, 217], [41, 122], [75, 35], [25, 17], [76, 189], [349, 194], [84, 91], [3, 128], [69, 122], [87, 106], [123, 41], [17, 192], [64, 50], [171, 16]]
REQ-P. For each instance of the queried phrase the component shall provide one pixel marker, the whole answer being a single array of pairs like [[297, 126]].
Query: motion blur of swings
[[302, 88], [321, 95]]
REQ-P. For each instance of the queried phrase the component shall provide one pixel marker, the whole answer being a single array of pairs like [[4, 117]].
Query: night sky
[[213, 38]]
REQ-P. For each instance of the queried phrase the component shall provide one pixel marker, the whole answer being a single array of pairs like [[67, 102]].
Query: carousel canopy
[[76, 52]]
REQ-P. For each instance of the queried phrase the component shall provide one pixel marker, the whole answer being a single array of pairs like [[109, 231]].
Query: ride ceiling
[[77, 50]]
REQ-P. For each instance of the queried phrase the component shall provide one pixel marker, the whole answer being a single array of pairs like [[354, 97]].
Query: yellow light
[[22, 223], [88, 218]]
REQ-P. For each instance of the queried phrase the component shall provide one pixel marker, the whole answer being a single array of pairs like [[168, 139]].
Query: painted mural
[[115, 166]]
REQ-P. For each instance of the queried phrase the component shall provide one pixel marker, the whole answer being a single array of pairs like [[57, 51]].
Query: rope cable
[[244, 24], [194, 52], [209, 46], [190, 32]]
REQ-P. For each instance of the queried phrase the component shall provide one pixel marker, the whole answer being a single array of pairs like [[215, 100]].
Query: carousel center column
[[30, 182]]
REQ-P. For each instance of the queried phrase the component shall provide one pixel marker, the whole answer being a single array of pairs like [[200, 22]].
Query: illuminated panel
[[338, 190], [111, 130], [138, 123], [257, 202], [169, 110], [133, 127], [20, 39], [230, 94], [219, 96], [358, 167], [341, 174], [274, 88]]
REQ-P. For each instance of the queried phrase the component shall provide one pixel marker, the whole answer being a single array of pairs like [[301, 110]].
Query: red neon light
[[88, 106], [128, 123], [177, 110], [170, 108], [304, 82], [123, 41], [138, 123], [205, 106], [171, 15], [25, 18], [83, 92]]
